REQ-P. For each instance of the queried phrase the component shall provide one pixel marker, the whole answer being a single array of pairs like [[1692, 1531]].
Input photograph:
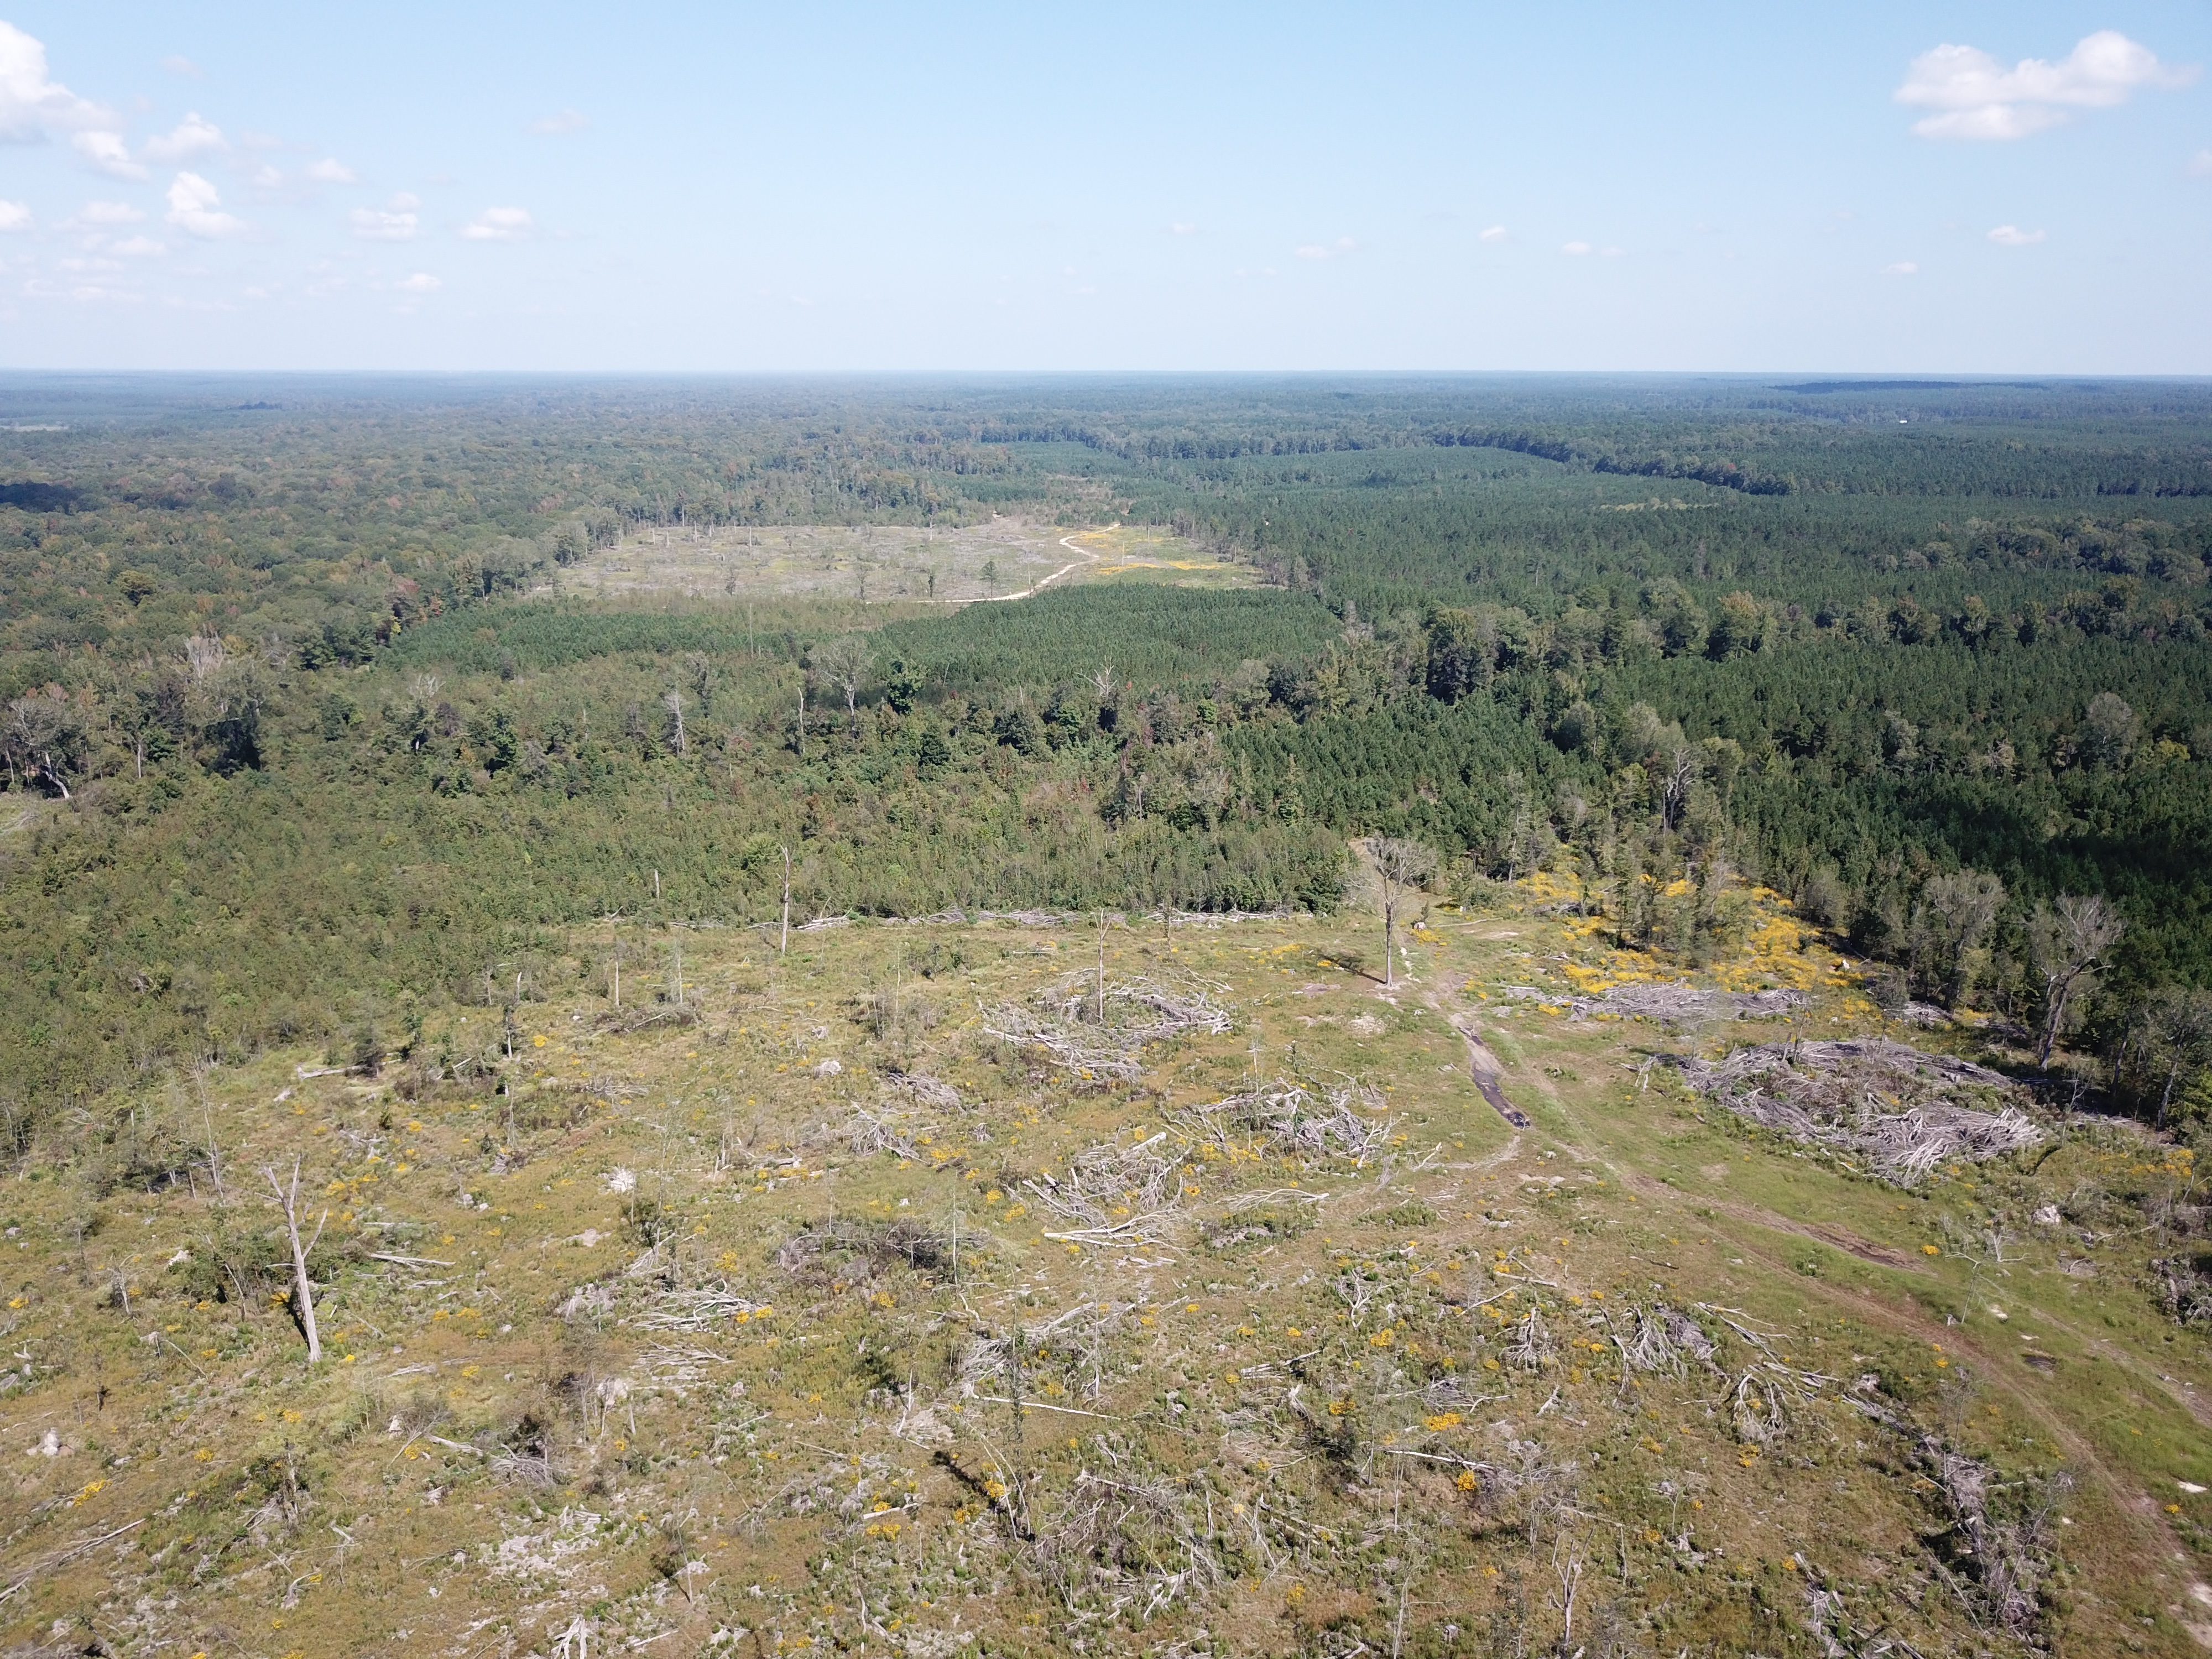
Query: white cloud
[[1612, 253], [331, 171], [397, 223], [498, 224], [110, 213], [2014, 236], [14, 216], [266, 177], [2201, 164], [421, 282], [1991, 123], [1325, 250], [137, 247], [195, 208], [107, 152], [1980, 99], [560, 121], [1902, 268], [1579, 250], [192, 137], [30, 101], [179, 64], [1180, 228], [1495, 234]]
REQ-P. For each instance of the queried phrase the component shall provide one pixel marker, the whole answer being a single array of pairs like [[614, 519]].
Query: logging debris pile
[[1900, 1110], [1099, 1034], [1638, 999], [1291, 1120]]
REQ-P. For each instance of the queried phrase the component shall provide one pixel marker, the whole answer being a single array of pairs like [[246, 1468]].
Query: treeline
[[408, 825], [255, 851]]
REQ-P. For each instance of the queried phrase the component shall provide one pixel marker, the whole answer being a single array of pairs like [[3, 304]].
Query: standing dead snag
[[1398, 864], [2067, 946], [1101, 1008], [844, 662], [300, 1286]]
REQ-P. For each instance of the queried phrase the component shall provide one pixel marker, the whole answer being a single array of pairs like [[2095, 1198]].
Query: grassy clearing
[[796, 1311], [1147, 553], [876, 564]]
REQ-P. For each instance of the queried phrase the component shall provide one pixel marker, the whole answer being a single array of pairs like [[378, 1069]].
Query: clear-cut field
[[997, 559], [1236, 1319]]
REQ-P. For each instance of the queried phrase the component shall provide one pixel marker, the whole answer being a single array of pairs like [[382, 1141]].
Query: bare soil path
[[1483, 1066], [1084, 557]]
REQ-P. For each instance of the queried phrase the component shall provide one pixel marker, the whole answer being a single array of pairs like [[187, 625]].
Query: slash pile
[[1902, 1111]]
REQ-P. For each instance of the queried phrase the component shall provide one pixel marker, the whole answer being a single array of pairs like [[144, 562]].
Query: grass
[[1146, 553], [880, 565], [677, 1348]]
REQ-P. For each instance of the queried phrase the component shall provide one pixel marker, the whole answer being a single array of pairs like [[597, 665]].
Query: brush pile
[[1129, 1538], [1100, 1036], [2182, 1290], [696, 1309], [1679, 1002], [2003, 1534], [820, 1248], [1290, 1120], [1897, 1110], [1118, 1195], [1659, 1339], [890, 1131], [929, 1090]]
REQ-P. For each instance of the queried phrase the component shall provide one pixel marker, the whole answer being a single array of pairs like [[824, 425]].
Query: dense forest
[[302, 736]]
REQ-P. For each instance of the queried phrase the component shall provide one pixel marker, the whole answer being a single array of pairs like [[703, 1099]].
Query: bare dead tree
[[301, 1286], [38, 727], [844, 662], [783, 946], [200, 1069], [1399, 864], [2068, 944], [1684, 767], [2169, 1039], [672, 700], [204, 655], [1101, 1007], [1567, 1568]]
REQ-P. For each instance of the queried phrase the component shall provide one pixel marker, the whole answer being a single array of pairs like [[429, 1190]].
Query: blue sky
[[2022, 187]]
